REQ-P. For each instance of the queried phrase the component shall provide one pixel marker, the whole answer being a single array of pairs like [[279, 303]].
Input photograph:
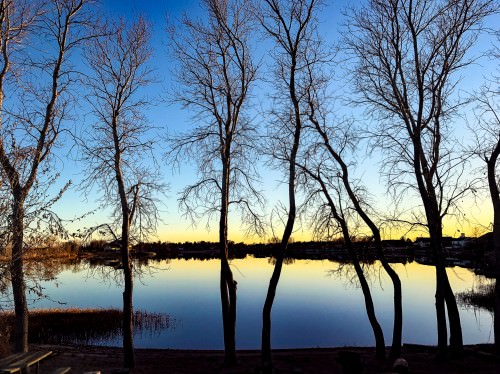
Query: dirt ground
[[420, 359]]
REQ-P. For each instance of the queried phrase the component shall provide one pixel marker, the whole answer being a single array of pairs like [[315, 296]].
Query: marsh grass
[[481, 297], [84, 326], [61, 251]]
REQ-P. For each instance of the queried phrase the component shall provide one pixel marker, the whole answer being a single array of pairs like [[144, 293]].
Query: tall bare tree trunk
[[397, 331], [266, 357], [495, 199], [227, 283], [370, 309], [228, 304], [128, 308], [216, 71], [396, 282], [496, 245], [442, 330], [444, 293], [444, 296], [17, 275], [408, 53]]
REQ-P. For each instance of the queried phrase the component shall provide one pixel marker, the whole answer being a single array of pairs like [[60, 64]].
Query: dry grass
[[481, 297], [83, 326], [67, 250]]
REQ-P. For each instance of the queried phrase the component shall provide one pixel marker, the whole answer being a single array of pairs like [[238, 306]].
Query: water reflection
[[312, 309]]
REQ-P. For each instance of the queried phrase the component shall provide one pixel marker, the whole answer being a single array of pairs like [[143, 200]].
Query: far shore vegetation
[[475, 253]]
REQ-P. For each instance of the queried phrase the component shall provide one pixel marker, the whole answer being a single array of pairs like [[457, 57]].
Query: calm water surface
[[318, 303]]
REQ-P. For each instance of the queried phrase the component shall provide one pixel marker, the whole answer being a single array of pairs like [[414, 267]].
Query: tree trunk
[[396, 282], [227, 283], [496, 238], [495, 199], [444, 294], [370, 309], [397, 331], [456, 339], [17, 276], [266, 358], [228, 304], [128, 308], [441, 314]]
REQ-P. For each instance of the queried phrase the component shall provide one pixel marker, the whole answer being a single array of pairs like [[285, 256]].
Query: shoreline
[[421, 359]]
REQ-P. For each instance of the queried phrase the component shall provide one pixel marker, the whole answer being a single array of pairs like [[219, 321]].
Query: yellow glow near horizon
[[475, 220]]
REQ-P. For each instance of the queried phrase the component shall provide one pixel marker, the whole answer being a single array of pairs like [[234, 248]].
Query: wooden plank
[[61, 370], [9, 363], [17, 362], [37, 357]]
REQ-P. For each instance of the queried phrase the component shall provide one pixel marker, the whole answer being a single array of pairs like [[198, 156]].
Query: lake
[[318, 303]]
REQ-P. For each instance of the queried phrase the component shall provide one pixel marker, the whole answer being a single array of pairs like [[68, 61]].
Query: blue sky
[[172, 119]]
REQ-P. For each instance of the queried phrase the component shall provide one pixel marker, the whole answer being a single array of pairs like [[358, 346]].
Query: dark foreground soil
[[420, 359]]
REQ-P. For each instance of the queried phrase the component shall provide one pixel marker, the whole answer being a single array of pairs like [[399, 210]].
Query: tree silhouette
[[406, 55], [215, 71], [114, 149], [35, 101], [293, 28], [487, 131]]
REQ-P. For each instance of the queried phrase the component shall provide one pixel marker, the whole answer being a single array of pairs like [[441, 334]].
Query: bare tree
[[487, 132], [34, 102], [293, 28], [406, 54], [331, 149], [327, 193], [215, 71], [114, 149]]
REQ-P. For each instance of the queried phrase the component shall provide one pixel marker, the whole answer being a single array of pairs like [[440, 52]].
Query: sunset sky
[[169, 119]]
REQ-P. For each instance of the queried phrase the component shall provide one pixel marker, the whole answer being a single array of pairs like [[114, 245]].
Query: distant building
[[423, 242], [448, 242], [461, 242]]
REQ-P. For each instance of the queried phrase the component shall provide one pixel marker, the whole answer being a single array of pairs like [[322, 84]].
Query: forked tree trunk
[[370, 309], [444, 293], [397, 330], [444, 297], [396, 282], [456, 338]]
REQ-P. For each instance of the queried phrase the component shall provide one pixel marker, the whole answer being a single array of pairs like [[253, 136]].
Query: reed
[[481, 297], [84, 326]]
